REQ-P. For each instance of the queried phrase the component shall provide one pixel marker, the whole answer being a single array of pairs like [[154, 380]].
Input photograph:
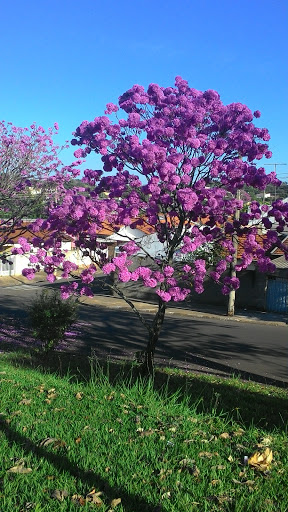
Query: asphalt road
[[257, 350]]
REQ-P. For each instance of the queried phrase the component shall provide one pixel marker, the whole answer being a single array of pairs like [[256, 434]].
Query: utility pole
[[233, 273]]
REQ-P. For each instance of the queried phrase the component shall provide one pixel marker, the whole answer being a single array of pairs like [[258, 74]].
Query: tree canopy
[[173, 161]]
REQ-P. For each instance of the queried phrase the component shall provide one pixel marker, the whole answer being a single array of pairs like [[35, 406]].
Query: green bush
[[50, 316]]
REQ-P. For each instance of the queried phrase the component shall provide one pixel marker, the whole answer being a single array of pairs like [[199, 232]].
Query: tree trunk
[[154, 332]]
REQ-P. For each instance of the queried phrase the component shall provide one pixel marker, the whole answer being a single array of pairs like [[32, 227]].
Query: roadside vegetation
[[77, 435]]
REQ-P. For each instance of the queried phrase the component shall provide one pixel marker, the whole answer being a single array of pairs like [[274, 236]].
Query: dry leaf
[[25, 401], [186, 462], [215, 482], [28, 506], [51, 396], [266, 441], [47, 441], [79, 395], [209, 455], [166, 495], [230, 458], [261, 461], [115, 502], [94, 497], [59, 495], [78, 440], [219, 466], [20, 469], [78, 499], [225, 435], [146, 433], [239, 432], [110, 397], [15, 413], [59, 444]]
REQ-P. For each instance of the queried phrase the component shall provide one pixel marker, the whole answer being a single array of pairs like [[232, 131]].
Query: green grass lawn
[[94, 439]]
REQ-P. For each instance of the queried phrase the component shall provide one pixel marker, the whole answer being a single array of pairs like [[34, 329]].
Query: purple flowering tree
[[30, 174], [173, 161]]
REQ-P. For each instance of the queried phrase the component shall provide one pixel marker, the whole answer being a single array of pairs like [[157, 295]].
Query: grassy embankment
[[84, 439]]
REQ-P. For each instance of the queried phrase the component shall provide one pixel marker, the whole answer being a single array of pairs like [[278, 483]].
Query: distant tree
[[30, 176], [178, 158]]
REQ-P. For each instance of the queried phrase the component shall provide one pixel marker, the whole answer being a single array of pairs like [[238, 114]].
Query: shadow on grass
[[131, 502], [249, 404]]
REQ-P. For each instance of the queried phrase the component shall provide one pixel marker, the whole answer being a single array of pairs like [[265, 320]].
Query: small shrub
[[50, 316]]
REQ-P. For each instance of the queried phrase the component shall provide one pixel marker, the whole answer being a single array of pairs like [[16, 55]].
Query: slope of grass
[[108, 443]]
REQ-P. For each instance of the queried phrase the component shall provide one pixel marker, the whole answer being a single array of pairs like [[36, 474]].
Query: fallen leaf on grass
[[261, 461], [20, 469], [57, 443], [47, 441], [115, 502], [28, 506], [219, 499], [41, 388], [94, 497], [25, 401], [225, 435], [59, 495], [50, 397], [110, 397], [190, 466], [78, 440], [146, 433], [15, 413], [215, 482], [266, 441], [238, 432], [249, 483], [77, 499], [79, 395], [209, 455]]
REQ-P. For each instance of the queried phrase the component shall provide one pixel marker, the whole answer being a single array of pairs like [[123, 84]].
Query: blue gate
[[277, 295]]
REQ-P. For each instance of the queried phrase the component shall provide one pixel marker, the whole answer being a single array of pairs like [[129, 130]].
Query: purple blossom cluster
[[174, 161]]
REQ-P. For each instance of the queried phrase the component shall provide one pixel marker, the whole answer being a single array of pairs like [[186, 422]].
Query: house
[[15, 263]]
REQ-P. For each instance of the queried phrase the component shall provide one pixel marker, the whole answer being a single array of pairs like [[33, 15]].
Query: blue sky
[[63, 60]]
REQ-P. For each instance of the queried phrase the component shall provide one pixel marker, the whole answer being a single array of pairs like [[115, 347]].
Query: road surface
[[258, 350]]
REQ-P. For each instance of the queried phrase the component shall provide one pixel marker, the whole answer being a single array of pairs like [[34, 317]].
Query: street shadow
[[205, 345], [90, 479]]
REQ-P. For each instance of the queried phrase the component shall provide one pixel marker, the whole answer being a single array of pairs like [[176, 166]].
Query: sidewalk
[[192, 309]]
